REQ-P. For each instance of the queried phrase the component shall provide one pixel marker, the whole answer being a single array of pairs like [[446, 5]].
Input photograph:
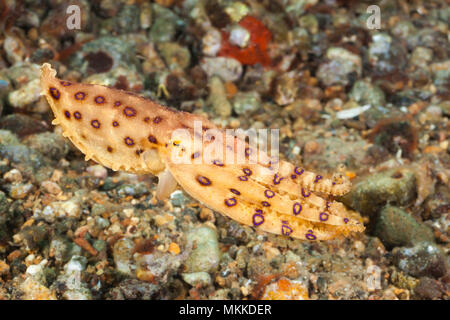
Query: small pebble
[[228, 69], [211, 42], [13, 176], [51, 187], [97, 171], [4, 268], [312, 147], [197, 278], [239, 36], [20, 191], [123, 253], [205, 256]]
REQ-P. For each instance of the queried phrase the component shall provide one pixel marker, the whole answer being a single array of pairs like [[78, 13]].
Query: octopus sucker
[[123, 131]]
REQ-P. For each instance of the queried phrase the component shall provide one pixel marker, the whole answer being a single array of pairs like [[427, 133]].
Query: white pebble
[[51, 187], [59, 209], [97, 171], [228, 69], [13, 175], [239, 36], [211, 42]]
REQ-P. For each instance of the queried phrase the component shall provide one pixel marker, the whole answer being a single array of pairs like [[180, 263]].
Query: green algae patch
[[373, 192], [396, 227]]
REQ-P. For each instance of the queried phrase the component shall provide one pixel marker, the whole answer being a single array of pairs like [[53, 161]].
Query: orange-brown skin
[[126, 132]]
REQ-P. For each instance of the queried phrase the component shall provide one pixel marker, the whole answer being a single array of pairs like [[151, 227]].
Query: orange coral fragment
[[83, 243], [256, 50], [231, 89], [174, 248], [285, 289], [350, 174], [432, 149]]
